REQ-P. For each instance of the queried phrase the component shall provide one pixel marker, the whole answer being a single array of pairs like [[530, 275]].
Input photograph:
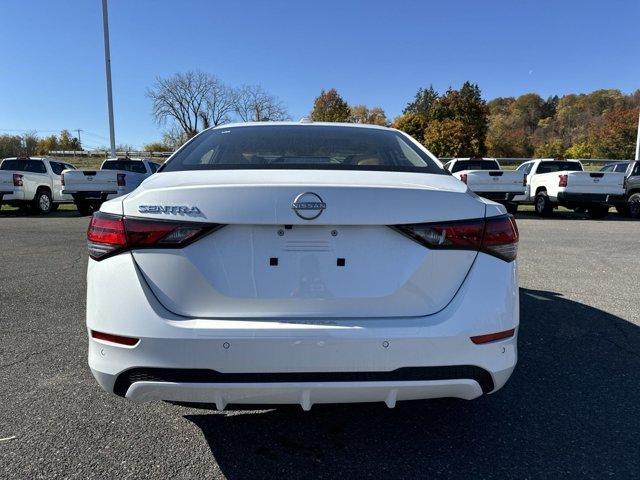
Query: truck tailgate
[[495, 181], [90, 181], [606, 183]]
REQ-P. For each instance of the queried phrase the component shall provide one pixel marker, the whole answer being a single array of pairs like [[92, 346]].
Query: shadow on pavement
[[571, 409], [16, 212]]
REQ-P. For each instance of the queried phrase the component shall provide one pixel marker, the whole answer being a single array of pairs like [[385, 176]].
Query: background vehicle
[[302, 263], [631, 204], [33, 183], [117, 176], [485, 177], [551, 183]]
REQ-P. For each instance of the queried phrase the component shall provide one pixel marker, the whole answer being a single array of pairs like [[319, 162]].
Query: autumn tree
[[411, 123], [329, 106], [364, 114]]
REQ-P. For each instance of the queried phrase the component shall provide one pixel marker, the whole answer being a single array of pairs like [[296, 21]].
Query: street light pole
[[107, 63]]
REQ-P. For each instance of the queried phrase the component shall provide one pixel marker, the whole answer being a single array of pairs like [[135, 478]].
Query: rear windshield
[[35, 166], [135, 166], [475, 165], [547, 167], [302, 147]]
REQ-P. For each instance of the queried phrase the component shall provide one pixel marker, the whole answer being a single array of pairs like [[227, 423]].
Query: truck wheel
[[599, 211], [543, 205], [633, 206], [42, 202], [512, 208], [84, 208]]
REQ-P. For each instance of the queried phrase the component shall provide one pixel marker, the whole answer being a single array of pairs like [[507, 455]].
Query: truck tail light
[[463, 177], [62, 179], [497, 236], [110, 234], [564, 179], [524, 180], [17, 180], [121, 179]]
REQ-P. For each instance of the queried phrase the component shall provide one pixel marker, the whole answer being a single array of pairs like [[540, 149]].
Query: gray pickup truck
[[631, 207]]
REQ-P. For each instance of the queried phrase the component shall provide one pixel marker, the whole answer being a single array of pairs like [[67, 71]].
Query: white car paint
[[19, 186], [393, 323]]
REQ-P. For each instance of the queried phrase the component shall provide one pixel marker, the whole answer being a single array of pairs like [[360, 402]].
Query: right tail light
[[17, 180], [121, 179], [497, 236], [463, 177], [564, 179], [524, 180]]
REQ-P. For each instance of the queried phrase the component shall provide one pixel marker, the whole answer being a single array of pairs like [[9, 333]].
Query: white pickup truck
[[485, 178], [552, 183], [116, 177], [33, 183]]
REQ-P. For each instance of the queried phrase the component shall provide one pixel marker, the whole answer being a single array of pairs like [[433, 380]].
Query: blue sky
[[373, 52]]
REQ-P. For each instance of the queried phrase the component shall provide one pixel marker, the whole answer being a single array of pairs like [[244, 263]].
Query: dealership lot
[[570, 409]]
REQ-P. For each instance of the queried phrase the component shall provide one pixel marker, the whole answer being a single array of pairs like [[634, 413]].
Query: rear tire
[[42, 202], [512, 208], [84, 208], [542, 204], [597, 212], [633, 206]]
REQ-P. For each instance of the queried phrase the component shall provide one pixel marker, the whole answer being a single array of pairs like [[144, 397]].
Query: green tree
[[411, 123], [329, 106], [68, 142], [447, 138], [422, 102]]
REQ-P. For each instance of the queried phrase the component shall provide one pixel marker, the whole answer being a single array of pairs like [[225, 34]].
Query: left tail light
[[463, 177], [110, 234], [122, 179], [497, 236], [17, 180]]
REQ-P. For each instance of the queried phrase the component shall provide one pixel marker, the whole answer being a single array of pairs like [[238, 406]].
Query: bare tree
[[174, 138], [254, 104], [220, 105], [183, 98]]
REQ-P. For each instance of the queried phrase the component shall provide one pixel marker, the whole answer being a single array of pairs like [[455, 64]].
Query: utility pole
[[79, 140], [107, 63]]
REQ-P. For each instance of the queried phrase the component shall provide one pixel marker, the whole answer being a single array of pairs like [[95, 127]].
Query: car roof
[[304, 123]]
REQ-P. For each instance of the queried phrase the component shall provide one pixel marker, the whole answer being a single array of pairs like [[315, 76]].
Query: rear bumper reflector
[[492, 337], [108, 337]]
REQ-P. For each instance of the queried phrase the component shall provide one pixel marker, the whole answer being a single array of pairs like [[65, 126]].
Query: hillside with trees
[[600, 124]]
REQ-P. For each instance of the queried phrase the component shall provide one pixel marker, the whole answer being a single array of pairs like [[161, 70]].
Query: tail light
[[463, 177], [17, 180], [62, 179], [121, 179], [564, 179], [110, 234], [524, 180], [497, 236]]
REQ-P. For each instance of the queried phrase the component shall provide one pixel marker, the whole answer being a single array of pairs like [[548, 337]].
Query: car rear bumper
[[297, 360], [589, 198], [14, 195], [499, 196]]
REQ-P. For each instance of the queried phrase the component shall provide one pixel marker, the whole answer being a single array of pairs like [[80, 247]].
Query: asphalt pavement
[[571, 409]]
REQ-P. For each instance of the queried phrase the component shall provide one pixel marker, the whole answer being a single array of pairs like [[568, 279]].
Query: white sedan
[[302, 263]]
